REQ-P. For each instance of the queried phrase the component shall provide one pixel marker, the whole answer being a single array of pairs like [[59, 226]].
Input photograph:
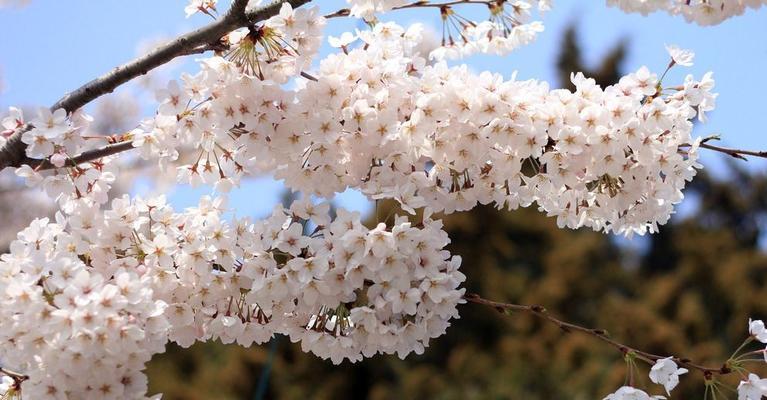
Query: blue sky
[[52, 46]]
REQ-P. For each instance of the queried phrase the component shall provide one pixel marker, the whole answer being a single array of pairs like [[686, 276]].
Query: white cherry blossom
[[665, 372]]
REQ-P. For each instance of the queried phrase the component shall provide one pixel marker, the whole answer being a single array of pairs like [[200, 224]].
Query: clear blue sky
[[52, 46]]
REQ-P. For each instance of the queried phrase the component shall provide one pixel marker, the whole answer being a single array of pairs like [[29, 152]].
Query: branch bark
[[85, 156], [12, 154]]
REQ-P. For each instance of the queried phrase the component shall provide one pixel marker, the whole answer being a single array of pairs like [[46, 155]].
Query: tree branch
[[17, 377], [236, 17], [12, 154], [601, 334], [85, 156], [736, 153]]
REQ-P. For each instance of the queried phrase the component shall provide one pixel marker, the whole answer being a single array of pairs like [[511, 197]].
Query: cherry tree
[[88, 296]]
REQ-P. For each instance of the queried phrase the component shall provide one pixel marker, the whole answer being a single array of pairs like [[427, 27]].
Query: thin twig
[[601, 334], [737, 153]]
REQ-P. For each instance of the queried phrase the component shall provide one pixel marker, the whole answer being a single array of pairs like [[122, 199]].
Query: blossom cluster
[[88, 299], [702, 12], [281, 47], [55, 138], [342, 291], [666, 372], [381, 119], [76, 330], [509, 25]]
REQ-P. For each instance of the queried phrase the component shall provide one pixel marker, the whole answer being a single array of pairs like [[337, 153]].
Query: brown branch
[[236, 17], [218, 47], [736, 153], [601, 334], [12, 154], [17, 377], [86, 156], [309, 76]]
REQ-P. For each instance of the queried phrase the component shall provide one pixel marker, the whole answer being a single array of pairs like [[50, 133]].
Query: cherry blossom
[[666, 372], [757, 330], [702, 12], [6, 385], [631, 393], [442, 137], [754, 388], [200, 6], [680, 56], [110, 292], [88, 297]]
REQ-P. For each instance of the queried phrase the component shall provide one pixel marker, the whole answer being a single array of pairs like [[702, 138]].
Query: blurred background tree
[[669, 293]]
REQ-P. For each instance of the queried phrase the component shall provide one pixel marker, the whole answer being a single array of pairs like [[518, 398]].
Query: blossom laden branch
[[379, 118], [12, 154], [86, 156], [237, 17], [664, 370]]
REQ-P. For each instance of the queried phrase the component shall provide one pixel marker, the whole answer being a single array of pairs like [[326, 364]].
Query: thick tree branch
[[12, 154], [601, 334], [236, 17]]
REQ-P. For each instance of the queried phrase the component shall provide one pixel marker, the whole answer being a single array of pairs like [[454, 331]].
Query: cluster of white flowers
[[85, 301], [703, 12], [368, 8], [55, 138], [79, 326], [379, 118], [343, 291], [666, 372], [508, 26], [86, 307], [281, 47], [52, 132], [754, 387]]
